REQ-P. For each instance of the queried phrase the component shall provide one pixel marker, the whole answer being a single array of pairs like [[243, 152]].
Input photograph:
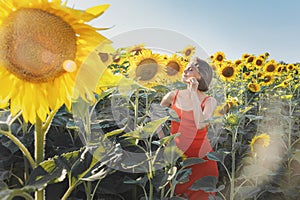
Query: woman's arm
[[167, 100], [209, 106]]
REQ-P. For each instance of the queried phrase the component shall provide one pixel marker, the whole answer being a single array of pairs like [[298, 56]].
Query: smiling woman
[[42, 45]]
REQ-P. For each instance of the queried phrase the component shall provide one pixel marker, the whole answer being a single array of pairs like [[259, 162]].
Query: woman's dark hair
[[205, 72]]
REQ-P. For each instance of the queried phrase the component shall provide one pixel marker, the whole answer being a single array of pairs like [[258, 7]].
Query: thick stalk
[[39, 151], [39, 147]]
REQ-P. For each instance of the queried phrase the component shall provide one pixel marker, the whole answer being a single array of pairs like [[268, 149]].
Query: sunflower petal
[[96, 11]]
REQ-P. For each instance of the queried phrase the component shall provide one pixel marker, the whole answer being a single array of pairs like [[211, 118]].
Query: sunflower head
[[147, 68], [36, 55], [42, 47], [270, 66], [135, 49], [174, 67], [259, 62], [260, 141], [228, 71], [267, 79], [232, 119], [225, 107], [253, 87], [188, 51], [218, 57]]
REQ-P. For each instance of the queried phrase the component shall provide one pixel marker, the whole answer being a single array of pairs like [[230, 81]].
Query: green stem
[[39, 138], [136, 108], [21, 146], [39, 147], [88, 190], [150, 190], [39, 151], [68, 192], [232, 166]]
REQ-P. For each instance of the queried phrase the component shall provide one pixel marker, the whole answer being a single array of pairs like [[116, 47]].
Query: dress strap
[[203, 102], [174, 100]]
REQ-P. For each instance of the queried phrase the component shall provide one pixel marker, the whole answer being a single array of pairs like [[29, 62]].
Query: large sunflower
[[174, 67], [147, 68], [42, 46]]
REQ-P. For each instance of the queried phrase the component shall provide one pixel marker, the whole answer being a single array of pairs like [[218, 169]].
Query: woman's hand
[[193, 84]]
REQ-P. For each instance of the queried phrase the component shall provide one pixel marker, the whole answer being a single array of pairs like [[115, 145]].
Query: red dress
[[194, 143]]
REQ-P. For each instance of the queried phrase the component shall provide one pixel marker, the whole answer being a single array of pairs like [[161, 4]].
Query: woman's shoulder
[[168, 98]]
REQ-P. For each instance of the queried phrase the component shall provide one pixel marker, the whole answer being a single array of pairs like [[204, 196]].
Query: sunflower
[[285, 83], [42, 46], [147, 68], [262, 140], [174, 67], [250, 59], [253, 86], [232, 119], [259, 62], [225, 107], [135, 49], [105, 52], [218, 57], [245, 56], [247, 75], [270, 66], [290, 67], [188, 52], [227, 72], [267, 79]]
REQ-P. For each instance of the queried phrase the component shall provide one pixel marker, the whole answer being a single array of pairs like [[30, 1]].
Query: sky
[[234, 27]]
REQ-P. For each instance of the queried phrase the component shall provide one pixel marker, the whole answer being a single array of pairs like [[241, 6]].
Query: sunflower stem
[[39, 151], [136, 105]]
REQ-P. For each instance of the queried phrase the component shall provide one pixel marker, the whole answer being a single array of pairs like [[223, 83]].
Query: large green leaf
[[192, 161], [207, 184]]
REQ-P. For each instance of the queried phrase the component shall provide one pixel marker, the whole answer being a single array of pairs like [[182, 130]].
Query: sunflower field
[[79, 119]]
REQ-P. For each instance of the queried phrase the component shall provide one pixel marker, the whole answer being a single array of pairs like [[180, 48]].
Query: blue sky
[[232, 26]]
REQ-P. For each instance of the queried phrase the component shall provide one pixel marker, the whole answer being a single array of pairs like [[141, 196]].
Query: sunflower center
[[259, 62], [267, 79], [227, 72], [147, 69], [172, 68], [103, 56], [188, 52], [35, 44], [219, 58], [270, 68]]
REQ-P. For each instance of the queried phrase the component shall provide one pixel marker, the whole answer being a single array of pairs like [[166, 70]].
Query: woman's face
[[189, 72]]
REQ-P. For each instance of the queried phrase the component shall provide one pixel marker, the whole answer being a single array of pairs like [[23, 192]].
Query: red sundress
[[194, 143]]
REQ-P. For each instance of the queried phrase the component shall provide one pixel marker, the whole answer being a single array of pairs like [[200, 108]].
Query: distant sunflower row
[[147, 67], [255, 71]]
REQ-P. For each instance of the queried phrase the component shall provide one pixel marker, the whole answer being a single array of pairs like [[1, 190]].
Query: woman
[[193, 107]]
